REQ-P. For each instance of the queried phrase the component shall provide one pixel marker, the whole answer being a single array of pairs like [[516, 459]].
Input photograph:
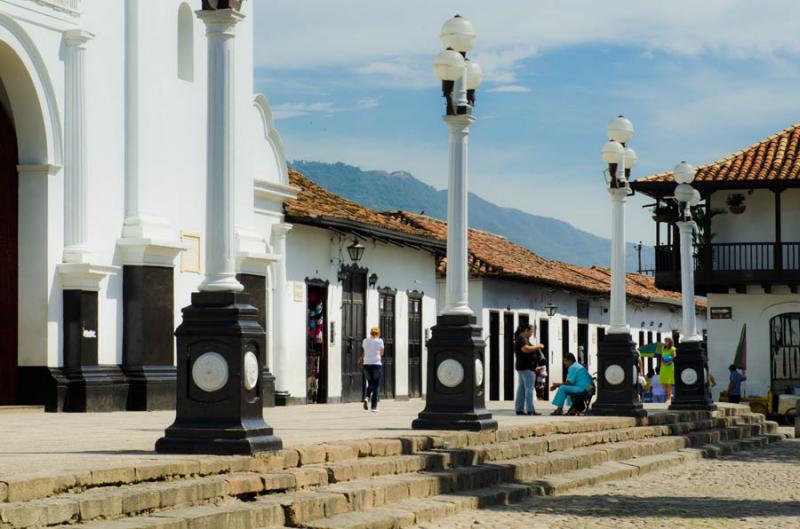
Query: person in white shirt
[[371, 359]]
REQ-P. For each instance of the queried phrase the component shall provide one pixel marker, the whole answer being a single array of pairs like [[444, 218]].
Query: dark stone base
[[218, 439], [228, 420], [617, 400], [268, 380], [42, 385], [95, 389], [151, 388], [691, 355], [462, 407]]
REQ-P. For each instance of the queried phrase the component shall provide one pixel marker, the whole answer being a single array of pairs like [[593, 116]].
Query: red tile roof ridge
[[666, 176]]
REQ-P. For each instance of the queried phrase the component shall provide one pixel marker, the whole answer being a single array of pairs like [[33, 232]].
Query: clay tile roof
[[490, 255], [774, 158], [315, 202]]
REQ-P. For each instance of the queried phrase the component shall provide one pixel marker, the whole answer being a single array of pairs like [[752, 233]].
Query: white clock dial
[[689, 376], [615, 375], [478, 372], [210, 372], [450, 373], [250, 370]]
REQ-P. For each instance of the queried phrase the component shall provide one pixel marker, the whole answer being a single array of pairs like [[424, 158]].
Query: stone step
[[551, 454], [566, 434]]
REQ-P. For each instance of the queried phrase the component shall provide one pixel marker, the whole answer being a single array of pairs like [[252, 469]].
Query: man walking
[[735, 385], [578, 382]]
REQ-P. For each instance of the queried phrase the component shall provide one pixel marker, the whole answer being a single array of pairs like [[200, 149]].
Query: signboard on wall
[[298, 290], [721, 313]]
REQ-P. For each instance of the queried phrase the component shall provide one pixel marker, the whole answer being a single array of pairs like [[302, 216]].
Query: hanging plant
[[735, 202], [662, 213]]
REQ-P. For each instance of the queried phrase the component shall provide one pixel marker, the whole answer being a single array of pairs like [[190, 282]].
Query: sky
[[352, 81]]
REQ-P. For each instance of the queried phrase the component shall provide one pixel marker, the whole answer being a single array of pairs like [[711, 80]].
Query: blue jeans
[[527, 382], [564, 393], [373, 374]]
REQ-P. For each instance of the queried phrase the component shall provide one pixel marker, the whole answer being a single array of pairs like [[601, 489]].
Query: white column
[[456, 298], [76, 178], [618, 324], [689, 331], [281, 361], [130, 227], [221, 144]]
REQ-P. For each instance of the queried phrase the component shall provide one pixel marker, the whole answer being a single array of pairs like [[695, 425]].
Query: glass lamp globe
[[684, 173], [448, 65], [630, 158], [684, 192], [620, 129], [474, 75], [695, 200], [457, 33], [612, 152]]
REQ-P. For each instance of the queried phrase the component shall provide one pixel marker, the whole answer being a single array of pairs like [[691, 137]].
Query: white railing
[[71, 7]]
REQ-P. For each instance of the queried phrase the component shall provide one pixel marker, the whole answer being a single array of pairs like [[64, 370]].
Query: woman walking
[[372, 360], [527, 358], [667, 375]]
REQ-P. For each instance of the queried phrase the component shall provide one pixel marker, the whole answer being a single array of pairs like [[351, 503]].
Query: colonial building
[[747, 257], [103, 200]]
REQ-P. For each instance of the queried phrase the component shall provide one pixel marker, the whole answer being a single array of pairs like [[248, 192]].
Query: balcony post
[[778, 264]]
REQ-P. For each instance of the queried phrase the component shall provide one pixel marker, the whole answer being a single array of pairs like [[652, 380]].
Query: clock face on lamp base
[[455, 389], [691, 378], [617, 377], [220, 393]]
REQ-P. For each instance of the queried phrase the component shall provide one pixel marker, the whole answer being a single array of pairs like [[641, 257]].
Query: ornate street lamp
[[355, 251], [550, 309], [617, 357], [221, 347], [373, 279], [455, 396], [691, 362]]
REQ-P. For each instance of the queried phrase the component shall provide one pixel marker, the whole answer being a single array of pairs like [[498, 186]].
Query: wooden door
[[414, 345], [494, 355], [508, 356], [583, 344], [354, 288], [544, 339], [564, 339], [8, 260], [386, 300]]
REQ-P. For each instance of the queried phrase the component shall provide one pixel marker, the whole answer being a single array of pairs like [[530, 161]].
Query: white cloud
[[293, 110], [510, 89]]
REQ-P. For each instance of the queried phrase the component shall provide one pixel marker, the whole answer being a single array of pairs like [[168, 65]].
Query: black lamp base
[[691, 382], [617, 358], [220, 384], [455, 398]]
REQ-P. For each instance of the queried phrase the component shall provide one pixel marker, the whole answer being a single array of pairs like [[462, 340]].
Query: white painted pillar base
[[689, 330], [221, 252], [457, 293], [617, 317]]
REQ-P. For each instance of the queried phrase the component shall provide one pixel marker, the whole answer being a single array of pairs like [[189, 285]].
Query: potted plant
[[735, 202], [662, 213]]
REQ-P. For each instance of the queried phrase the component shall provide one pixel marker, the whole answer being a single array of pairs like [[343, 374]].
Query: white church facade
[[103, 127]]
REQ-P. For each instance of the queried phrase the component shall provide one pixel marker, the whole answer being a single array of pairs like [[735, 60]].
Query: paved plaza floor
[[33, 442]]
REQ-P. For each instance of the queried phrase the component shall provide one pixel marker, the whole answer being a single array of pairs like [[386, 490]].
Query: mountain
[[382, 190]]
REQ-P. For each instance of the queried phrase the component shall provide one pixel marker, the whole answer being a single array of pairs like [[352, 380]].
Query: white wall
[[756, 224], [316, 253], [755, 310]]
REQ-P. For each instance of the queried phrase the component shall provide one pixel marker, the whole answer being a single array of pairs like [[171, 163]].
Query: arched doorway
[[8, 259]]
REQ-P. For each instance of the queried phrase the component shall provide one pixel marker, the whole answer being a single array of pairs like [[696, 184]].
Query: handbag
[[361, 360]]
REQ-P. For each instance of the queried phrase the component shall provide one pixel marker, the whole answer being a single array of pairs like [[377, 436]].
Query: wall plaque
[[721, 313]]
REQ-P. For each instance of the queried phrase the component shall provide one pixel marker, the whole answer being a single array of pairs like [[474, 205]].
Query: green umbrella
[[651, 349]]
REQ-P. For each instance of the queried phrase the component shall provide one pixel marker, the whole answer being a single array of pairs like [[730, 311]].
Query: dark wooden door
[[354, 288], [414, 345], [8, 260], [494, 356], [564, 339], [583, 344], [386, 316], [508, 356], [544, 339]]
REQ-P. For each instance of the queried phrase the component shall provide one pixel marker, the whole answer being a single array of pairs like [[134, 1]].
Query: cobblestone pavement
[[758, 489]]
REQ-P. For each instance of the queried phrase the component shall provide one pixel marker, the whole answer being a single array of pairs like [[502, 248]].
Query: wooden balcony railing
[[731, 263]]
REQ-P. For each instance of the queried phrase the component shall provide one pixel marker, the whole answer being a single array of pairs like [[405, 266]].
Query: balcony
[[731, 265]]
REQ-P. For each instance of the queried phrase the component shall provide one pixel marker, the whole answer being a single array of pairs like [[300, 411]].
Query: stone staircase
[[378, 483]]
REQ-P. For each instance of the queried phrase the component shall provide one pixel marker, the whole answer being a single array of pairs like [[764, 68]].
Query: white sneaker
[[375, 410]]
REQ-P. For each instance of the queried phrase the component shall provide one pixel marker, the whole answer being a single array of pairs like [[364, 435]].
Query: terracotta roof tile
[[774, 158], [490, 255]]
